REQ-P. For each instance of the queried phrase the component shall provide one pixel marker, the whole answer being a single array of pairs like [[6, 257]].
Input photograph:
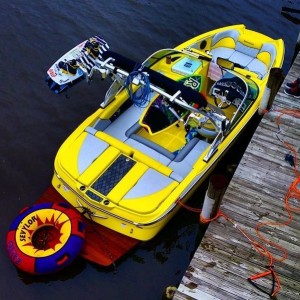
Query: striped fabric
[[88, 61]]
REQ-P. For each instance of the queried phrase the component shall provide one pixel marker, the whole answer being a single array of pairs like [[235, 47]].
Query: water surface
[[34, 122]]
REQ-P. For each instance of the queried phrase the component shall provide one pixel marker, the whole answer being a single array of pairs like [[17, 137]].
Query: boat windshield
[[250, 90], [232, 91], [236, 91], [157, 56]]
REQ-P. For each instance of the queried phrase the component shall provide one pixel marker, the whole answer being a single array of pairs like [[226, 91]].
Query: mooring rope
[[293, 192]]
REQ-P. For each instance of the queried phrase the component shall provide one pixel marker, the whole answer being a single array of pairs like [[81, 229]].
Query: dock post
[[274, 82], [213, 197], [297, 49]]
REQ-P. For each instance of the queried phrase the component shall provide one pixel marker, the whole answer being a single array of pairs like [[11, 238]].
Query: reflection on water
[[66, 274], [35, 122]]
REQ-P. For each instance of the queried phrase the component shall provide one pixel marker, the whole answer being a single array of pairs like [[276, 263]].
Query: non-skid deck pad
[[116, 171]]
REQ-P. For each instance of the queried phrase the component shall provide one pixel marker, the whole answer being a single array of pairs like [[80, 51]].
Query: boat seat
[[151, 149], [249, 54], [133, 129], [243, 54], [153, 146], [183, 167], [102, 124], [131, 133], [223, 44], [263, 61], [186, 149], [119, 126], [146, 146], [142, 144]]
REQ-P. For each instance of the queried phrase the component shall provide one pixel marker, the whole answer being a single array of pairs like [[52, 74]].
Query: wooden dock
[[225, 258]]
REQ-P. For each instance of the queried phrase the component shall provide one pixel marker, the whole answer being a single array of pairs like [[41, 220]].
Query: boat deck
[[225, 258], [102, 245]]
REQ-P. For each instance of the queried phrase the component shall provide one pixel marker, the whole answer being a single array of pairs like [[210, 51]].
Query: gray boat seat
[[119, 126], [223, 44], [263, 61], [183, 167], [251, 55]]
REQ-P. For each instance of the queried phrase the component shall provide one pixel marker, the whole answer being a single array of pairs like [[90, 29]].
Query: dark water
[[34, 122]]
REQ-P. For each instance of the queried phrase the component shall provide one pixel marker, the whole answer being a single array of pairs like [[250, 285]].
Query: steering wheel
[[221, 101]]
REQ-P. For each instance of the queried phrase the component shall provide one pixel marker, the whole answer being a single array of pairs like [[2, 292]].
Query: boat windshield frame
[[252, 92], [158, 55], [243, 107]]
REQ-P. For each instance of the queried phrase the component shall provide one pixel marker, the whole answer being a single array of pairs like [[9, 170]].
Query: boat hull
[[139, 231], [126, 167]]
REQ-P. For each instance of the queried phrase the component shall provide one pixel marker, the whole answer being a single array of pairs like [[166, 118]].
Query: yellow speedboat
[[162, 126]]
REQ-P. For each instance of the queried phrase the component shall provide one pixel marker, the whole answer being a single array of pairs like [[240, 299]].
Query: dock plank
[[256, 194]]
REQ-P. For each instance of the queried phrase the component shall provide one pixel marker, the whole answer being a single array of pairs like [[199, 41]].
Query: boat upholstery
[[264, 60], [223, 43], [90, 149], [101, 124], [180, 164], [133, 129], [252, 55], [151, 182], [141, 142], [152, 145], [153, 187], [186, 149], [183, 167], [128, 118], [150, 149]]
